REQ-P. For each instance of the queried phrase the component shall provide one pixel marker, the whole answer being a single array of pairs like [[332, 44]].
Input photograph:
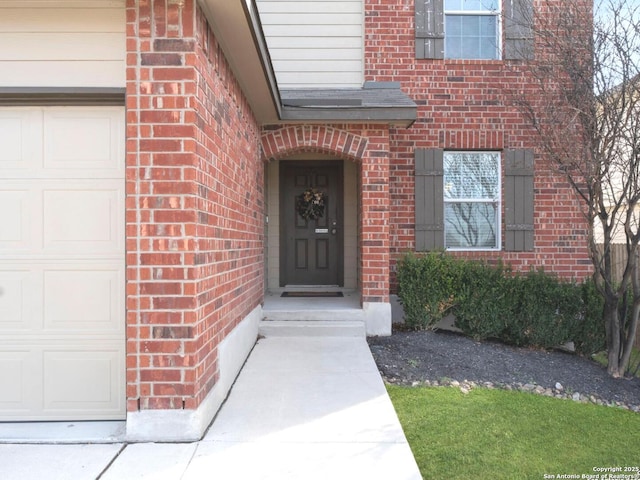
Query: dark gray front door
[[311, 249]]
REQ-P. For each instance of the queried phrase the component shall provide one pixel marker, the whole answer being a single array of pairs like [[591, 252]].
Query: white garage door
[[62, 267]]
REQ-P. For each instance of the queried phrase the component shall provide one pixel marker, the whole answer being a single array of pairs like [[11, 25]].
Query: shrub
[[427, 287], [533, 309], [546, 312], [589, 335], [486, 302]]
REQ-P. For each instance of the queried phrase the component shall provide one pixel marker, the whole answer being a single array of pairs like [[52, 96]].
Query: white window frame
[[476, 13], [497, 201]]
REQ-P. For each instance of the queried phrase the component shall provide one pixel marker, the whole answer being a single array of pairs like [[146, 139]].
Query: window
[[471, 189], [458, 195], [471, 29]]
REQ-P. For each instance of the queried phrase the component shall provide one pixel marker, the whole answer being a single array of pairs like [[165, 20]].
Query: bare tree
[[586, 111]]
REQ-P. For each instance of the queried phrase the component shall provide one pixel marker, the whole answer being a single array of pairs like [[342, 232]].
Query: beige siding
[[62, 44], [314, 43]]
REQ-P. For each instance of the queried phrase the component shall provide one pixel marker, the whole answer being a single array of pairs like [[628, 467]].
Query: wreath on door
[[310, 204]]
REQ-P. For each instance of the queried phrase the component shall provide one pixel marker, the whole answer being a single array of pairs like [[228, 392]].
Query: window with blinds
[[471, 189]]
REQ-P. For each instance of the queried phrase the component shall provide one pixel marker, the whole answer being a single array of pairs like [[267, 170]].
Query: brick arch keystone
[[293, 139]]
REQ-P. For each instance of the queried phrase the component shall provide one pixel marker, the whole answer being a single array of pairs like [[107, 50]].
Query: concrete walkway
[[302, 408]]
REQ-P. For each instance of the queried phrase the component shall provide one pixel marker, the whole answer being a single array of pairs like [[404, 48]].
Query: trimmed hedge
[[428, 285], [491, 301], [485, 300]]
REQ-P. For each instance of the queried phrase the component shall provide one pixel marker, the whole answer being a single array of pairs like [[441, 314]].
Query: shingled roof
[[382, 102]]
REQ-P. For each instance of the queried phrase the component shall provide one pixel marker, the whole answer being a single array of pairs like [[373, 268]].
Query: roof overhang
[[236, 25], [376, 102], [237, 28]]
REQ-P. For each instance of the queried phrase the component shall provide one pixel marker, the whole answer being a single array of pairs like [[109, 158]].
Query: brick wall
[[195, 205], [465, 105]]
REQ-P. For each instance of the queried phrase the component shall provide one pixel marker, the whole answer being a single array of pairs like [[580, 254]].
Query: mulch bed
[[441, 357]]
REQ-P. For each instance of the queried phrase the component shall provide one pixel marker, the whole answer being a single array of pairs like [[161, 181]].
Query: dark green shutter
[[429, 202], [518, 29], [519, 201], [429, 29]]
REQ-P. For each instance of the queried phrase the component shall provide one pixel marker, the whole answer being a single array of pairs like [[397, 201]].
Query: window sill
[[473, 249], [474, 61]]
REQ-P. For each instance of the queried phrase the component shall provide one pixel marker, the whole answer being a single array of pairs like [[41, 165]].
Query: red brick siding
[[195, 205], [465, 105]]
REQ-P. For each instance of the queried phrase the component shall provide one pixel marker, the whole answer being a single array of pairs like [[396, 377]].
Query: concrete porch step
[[315, 315], [312, 328]]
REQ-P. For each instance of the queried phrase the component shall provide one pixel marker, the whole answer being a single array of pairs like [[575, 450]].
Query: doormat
[[312, 294]]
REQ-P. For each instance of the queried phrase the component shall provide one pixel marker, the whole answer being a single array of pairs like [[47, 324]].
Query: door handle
[[334, 230]]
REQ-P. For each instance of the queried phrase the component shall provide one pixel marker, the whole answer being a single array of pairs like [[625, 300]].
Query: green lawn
[[497, 434]]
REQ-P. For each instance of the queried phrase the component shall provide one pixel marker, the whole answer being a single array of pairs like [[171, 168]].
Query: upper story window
[[474, 29], [471, 29]]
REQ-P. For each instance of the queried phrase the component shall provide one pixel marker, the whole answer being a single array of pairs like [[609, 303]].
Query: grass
[[634, 361], [501, 434]]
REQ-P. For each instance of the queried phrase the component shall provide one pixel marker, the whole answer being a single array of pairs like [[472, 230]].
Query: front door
[[311, 248]]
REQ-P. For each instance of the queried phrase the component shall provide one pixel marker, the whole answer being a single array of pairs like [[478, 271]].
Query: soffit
[[237, 28]]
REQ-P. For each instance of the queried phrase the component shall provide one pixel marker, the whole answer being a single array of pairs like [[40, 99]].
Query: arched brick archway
[[294, 139], [368, 146]]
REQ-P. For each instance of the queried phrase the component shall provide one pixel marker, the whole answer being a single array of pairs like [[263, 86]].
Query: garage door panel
[[19, 293], [61, 142], [74, 381], [85, 142], [83, 381], [21, 139], [77, 298], [18, 395], [43, 218], [84, 299], [16, 216], [84, 219]]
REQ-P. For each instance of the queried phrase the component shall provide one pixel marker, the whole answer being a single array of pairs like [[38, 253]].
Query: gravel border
[[444, 358]]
